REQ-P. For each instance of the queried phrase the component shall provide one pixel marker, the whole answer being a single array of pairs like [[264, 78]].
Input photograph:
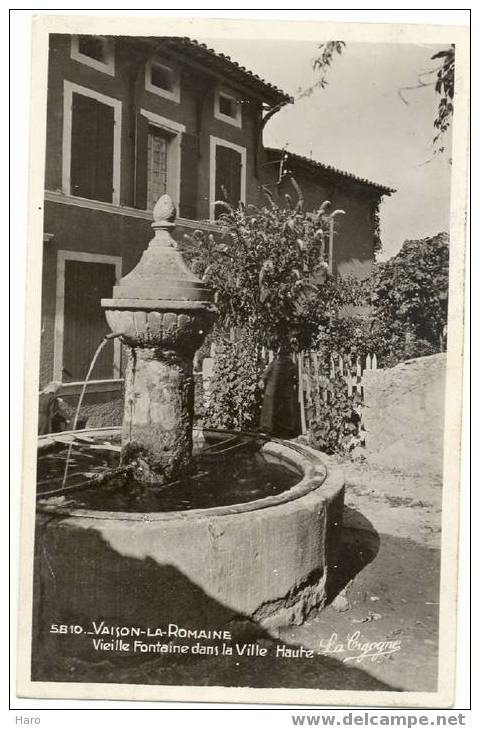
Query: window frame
[[173, 95], [69, 89], [155, 133], [105, 67], [59, 328], [236, 121], [218, 142], [174, 151]]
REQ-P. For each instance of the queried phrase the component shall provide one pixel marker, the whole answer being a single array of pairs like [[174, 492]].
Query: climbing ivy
[[335, 425], [235, 398], [377, 241]]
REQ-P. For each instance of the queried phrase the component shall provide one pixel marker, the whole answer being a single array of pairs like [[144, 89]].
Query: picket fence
[[315, 380]]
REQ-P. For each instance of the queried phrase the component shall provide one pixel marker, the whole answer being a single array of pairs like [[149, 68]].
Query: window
[[228, 108], [91, 144], [162, 80], [92, 46], [95, 51], [227, 174], [158, 159], [157, 165], [83, 279], [162, 77]]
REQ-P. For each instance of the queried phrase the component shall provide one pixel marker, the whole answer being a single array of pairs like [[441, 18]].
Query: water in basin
[[226, 469]]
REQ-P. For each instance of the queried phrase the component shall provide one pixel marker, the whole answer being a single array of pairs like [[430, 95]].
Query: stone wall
[[404, 415]]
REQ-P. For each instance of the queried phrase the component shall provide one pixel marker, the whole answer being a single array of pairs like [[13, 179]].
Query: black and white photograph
[[244, 361]]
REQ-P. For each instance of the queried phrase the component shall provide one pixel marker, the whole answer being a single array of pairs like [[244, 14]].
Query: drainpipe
[[271, 112]]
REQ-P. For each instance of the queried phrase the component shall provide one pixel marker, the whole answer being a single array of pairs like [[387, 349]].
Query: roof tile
[[322, 166], [223, 63]]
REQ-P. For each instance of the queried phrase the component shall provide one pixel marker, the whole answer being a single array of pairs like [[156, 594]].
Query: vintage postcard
[[244, 361]]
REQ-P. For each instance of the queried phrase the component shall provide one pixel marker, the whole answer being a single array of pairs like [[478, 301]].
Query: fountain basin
[[268, 559]]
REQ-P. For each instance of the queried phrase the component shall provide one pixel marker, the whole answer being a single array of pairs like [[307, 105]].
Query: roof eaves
[[224, 64], [329, 168]]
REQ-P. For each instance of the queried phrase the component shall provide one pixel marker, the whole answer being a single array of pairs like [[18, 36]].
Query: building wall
[[244, 137], [354, 236], [87, 230], [75, 224], [195, 111]]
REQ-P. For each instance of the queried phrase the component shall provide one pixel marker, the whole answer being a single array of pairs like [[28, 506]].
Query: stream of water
[[98, 350]]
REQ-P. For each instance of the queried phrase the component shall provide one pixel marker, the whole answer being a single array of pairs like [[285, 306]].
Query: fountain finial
[[164, 213]]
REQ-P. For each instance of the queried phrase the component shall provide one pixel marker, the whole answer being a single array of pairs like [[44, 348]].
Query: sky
[[360, 124]]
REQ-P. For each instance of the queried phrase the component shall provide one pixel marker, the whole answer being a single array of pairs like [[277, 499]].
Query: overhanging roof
[[222, 65], [320, 166]]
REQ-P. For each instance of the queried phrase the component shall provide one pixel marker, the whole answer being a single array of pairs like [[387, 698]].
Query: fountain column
[[162, 312]]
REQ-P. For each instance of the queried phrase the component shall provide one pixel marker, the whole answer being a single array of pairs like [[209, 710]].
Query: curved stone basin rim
[[158, 304], [314, 473]]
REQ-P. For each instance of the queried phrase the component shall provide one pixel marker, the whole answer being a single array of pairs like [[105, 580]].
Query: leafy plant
[[343, 336], [444, 86], [235, 395], [377, 240], [444, 82], [405, 308], [272, 287], [268, 271], [335, 425], [322, 64], [409, 299]]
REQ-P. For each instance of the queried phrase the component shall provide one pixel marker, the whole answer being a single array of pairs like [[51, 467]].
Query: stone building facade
[[129, 118]]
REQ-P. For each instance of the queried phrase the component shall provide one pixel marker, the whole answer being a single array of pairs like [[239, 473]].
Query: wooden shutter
[[235, 177], [228, 171], [189, 176], [91, 170], [84, 319], [84, 131], [104, 153], [141, 162]]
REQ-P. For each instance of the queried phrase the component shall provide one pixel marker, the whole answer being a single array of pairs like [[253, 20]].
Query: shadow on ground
[[90, 581], [359, 546], [390, 591]]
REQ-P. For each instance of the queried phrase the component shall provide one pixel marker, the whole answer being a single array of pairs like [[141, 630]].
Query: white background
[[59, 713]]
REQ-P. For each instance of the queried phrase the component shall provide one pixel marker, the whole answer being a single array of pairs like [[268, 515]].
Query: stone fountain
[[162, 313], [263, 552]]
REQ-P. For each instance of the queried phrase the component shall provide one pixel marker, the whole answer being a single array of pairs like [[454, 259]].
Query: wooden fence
[[315, 379]]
